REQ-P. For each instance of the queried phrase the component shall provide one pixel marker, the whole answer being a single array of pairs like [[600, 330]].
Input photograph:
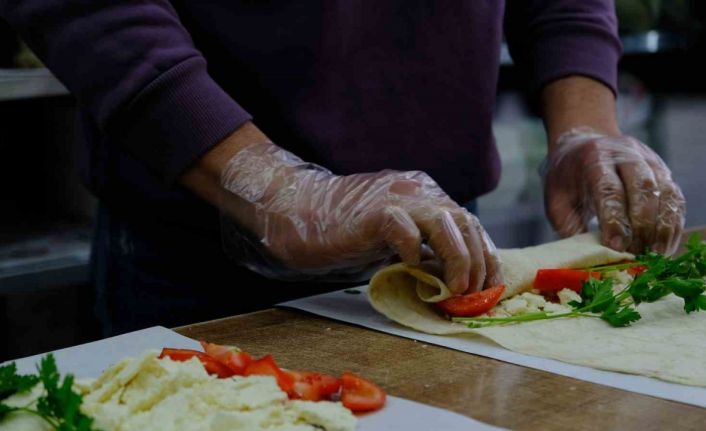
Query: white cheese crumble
[[529, 302], [620, 279], [567, 295]]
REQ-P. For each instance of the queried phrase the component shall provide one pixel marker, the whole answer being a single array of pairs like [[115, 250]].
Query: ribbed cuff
[[179, 117], [572, 51]]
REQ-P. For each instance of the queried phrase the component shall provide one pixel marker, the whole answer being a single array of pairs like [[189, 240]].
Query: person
[[325, 138]]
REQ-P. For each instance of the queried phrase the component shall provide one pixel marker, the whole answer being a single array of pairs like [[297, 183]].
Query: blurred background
[[46, 215]]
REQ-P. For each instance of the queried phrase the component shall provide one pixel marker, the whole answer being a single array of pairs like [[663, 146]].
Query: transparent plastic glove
[[289, 219], [619, 180]]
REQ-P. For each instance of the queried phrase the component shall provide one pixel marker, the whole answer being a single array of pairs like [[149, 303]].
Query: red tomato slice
[[552, 281], [357, 394], [472, 304], [330, 385], [311, 386], [237, 362], [636, 270], [230, 356], [304, 388], [211, 364], [360, 395], [267, 366], [218, 351]]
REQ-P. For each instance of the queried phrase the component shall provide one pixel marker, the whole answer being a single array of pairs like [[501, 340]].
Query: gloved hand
[[289, 219], [622, 182]]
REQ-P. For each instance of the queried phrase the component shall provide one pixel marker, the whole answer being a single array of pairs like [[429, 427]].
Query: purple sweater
[[352, 85]]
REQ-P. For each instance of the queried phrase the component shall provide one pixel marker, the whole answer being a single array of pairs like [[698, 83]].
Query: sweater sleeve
[[552, 39], [134, 69]]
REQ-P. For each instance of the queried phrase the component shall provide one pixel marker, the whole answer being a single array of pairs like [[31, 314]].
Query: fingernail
[[616, 243]]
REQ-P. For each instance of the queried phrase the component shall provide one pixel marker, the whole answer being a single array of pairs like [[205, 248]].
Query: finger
[[643, 202], [445, 238], [676, 237], [493, 275], [671, 213], [562, 201], [402, 235], [564, 211], [467, 224], [608, 198]]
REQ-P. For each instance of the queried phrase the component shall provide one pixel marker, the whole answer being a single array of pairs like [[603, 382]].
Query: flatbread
[[406, 294], [666, 343]]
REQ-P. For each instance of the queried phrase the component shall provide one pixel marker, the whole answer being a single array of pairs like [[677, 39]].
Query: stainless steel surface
[[45, 262]]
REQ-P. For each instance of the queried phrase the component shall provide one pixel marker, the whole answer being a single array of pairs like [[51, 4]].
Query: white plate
[[89, 360]]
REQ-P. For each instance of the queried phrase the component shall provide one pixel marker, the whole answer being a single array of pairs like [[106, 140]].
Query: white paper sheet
[[355, 309], [89, 360]]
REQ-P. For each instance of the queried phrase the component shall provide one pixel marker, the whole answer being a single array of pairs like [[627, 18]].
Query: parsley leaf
[[695, 304], [619, 316], [643, 288], [60, 406], [12, 383], [683, 276], [685, 288], [60, 400], [597, 295]]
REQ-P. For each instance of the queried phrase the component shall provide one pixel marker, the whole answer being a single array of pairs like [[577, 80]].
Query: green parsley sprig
[[683, 276], [59, 406]]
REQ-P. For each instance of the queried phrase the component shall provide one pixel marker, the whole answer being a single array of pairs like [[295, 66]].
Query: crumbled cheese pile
[[149, 394]]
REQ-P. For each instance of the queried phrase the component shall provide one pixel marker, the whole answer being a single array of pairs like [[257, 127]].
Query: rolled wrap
[[406, 294]]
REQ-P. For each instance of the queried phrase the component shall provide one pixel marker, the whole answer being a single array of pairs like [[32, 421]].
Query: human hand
[[286, 218], [622, 182]]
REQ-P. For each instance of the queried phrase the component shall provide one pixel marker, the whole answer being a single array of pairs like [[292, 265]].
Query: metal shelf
[[29, 83], [45, 261]]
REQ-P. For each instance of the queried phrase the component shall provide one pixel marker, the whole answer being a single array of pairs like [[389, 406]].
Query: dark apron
[[150, 273]]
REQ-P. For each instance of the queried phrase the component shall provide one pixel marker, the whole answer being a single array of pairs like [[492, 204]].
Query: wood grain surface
[[492, 391]]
